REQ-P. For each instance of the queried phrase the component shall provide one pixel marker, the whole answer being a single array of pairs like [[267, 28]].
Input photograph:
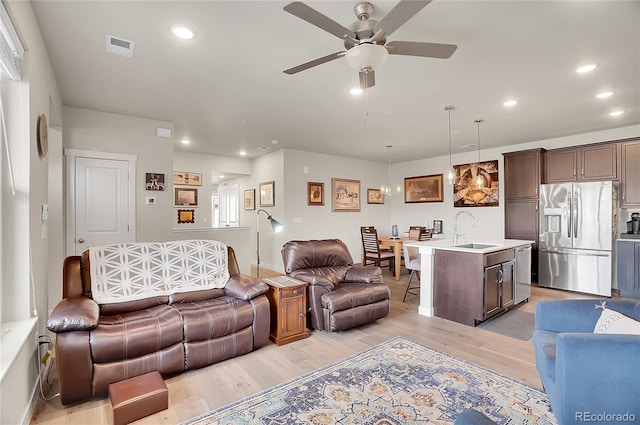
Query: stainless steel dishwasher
[[522, 274]]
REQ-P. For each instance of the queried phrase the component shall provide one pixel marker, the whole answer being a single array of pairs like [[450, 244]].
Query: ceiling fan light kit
[[365, 40], [366, 57]]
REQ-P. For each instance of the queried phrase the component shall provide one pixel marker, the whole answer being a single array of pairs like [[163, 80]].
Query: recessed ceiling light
[[604, 94], [616, 113], [182, 31], [274, 142], [586, 68], [221, 176], [243, 153], [185, 141], [510, 103], [355, 91]]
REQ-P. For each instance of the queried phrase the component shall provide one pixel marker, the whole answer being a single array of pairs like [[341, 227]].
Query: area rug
[[514, 324], [396, 382]]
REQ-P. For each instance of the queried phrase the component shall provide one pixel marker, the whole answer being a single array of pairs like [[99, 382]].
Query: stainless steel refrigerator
[[576, 237]]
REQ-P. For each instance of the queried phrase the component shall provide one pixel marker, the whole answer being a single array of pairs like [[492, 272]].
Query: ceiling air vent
[[120, 46]]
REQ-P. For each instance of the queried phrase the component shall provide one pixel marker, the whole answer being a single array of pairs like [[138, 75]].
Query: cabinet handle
[[295, 292]]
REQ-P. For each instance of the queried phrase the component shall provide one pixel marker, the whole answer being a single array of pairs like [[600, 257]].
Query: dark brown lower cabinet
[[472, 287], [498, 289]]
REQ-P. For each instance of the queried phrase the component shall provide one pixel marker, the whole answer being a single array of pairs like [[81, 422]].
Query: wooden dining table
[[394, 244]]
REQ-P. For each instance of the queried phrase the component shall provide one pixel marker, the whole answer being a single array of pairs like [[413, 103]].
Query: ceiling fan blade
[[367, 79], [313, 63], [316, 18], [415, 48], [401, 13]]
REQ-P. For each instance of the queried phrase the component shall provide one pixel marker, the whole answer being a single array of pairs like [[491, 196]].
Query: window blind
[[11, 50]]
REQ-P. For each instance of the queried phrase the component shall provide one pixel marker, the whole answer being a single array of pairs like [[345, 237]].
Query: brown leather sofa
[[97, 345], [340, 295]]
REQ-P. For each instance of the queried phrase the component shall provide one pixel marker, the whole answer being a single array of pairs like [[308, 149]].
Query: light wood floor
[[196, 392]]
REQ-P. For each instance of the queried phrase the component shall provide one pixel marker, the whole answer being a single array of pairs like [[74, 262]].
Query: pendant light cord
[[389, 169], [449, 108], [479, 180], [478, 121], [450, 172]]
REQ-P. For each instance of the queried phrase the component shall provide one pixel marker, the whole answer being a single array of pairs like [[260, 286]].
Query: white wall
[[104, 132], [287, 167], [320, 222], [269, 167], [489, 220], [39, 93], [205, 164]]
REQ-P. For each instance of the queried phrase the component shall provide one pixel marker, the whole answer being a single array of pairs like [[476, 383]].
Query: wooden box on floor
[[137, 397]]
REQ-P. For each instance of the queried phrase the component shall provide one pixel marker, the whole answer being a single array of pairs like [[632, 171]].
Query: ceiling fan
[[366, 40]]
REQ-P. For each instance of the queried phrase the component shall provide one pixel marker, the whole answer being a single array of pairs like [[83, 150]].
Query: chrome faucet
[[455, 225]]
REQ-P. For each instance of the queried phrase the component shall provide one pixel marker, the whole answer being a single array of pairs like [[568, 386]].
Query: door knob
[[80, 240]]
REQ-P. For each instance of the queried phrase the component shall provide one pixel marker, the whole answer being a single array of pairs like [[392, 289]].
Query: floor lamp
[[276, 226]]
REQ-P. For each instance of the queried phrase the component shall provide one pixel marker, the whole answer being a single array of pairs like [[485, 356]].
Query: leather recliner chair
[[340, 295]]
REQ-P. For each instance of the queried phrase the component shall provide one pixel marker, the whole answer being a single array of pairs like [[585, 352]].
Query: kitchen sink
[[475, 245]]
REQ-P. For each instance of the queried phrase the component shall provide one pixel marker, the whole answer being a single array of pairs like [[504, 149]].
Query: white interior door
[[102, 204]]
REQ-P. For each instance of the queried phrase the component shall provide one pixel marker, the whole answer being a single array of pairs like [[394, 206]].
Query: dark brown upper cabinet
[[585, 163]]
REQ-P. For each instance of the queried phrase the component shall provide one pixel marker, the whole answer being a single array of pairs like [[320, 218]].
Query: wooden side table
[[288, 300]]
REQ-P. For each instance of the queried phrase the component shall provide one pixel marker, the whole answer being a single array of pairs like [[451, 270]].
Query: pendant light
[[451, 174], [387, 190], [479, 178]]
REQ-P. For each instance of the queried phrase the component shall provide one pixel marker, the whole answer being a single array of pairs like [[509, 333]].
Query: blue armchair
[[588, 377]]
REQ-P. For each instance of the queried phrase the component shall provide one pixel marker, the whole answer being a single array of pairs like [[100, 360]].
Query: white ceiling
[[225, 89]]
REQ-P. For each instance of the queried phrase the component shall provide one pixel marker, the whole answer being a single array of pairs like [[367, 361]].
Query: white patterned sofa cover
[[129, 309]]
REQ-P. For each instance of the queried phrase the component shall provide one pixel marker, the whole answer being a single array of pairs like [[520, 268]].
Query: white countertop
[[447, 244]]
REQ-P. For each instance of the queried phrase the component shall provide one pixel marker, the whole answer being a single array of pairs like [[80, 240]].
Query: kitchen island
[[465, 282]]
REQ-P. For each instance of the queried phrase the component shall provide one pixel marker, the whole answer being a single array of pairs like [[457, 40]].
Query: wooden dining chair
[[425, 234], [371, 249], [420, 233], [414, 232]]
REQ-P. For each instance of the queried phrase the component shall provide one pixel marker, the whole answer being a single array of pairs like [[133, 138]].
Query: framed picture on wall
[[186, 197], [154, 181], [476, 185], [186, 178], [375, 196], [315, 193], [186, 216], [267, 194], [345, 195], [423, 189], [250, 199]]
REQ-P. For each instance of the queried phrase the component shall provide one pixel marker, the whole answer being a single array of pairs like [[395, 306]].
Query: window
[[15, 292]]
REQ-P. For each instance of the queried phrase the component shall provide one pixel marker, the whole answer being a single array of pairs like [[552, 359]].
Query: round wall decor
[[41, 136]]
